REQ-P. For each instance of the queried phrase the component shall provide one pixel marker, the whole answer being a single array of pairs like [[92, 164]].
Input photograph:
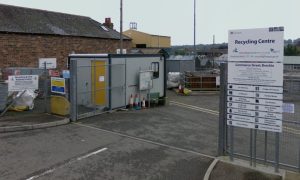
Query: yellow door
[[99, 83]]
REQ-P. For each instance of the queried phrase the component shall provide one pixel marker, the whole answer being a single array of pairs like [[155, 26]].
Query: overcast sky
[[175, 17]]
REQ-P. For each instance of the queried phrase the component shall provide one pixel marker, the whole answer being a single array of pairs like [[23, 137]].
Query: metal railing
[[281, 150]]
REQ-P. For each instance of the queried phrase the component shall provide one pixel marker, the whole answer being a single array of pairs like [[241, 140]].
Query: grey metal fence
[[96, 88], [281, 150], [42, 101]]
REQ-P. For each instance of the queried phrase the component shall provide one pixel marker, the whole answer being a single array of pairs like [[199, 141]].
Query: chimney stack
[[133, 25], [108, 23]]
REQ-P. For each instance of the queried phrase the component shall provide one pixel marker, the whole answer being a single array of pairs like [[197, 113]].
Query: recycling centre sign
[[255, 78]]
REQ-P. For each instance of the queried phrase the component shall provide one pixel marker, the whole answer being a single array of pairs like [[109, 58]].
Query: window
[[155, 68], [141, 46]]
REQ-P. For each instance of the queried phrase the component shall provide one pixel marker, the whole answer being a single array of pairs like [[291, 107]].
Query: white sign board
[[146, 80], [23, 82], [259, 45], [267, 74], [255, 79], [50, 63]]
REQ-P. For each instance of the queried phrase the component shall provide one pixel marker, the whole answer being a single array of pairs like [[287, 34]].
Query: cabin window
[[155, 69]]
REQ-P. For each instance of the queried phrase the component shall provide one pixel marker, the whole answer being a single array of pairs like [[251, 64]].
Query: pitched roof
[[15, 19]]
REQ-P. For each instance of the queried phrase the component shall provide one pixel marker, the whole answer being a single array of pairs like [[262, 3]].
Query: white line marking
[[188, 105], [196, 108], [68, 163], [91, 154], [210, 168], [146, 141]]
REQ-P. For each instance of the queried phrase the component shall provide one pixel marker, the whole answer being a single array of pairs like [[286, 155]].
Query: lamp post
[[121, 26], [194, 30]]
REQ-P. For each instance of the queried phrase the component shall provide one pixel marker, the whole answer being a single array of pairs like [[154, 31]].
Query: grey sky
[[175, 17]]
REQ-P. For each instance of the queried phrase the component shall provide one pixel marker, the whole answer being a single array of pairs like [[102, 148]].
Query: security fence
[[281, 150], [96, 87], [41, 102]]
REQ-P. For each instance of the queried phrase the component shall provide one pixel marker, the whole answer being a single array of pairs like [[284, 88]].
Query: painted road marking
[[145, 140], [91, 154], [209, 111], [51, 170]]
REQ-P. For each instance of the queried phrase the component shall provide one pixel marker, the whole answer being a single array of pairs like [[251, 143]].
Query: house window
[[155, 68]]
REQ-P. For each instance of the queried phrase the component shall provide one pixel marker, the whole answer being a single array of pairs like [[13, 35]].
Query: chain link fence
[[41, 103], [93, 91]]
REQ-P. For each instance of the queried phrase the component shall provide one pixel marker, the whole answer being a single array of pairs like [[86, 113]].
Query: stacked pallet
[[200, 81]]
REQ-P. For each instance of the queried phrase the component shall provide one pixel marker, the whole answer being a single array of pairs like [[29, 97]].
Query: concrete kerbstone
[[34, 126]]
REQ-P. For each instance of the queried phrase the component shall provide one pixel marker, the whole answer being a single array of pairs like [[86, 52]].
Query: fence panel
[[92, 87], [261, 146]]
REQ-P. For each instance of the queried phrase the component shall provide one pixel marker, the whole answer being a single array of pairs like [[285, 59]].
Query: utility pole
[[121, 26], [213, 51], [194, 30]]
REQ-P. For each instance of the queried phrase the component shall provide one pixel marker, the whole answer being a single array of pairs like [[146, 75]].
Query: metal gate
[[281, 150], [96, 86]]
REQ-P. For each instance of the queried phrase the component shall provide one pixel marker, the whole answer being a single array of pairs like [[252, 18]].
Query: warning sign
[[23, 82], [58, 85]]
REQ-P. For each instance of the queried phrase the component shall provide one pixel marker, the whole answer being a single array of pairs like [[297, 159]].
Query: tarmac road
[[170, 142], [160, 143]]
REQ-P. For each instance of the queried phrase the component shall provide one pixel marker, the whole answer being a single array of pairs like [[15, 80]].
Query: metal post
[[94, 91], [45, 87], [213, 53], [266, 147], [276, 152], [254, 148], [194, 30], [251, 146], [231, 142], [73, 89], [121, 26], [299, 157], [222, 113]]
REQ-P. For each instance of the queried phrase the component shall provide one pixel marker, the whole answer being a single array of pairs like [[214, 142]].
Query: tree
[[291, 50]]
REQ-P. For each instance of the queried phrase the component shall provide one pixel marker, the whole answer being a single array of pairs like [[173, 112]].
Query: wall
[[24, 50], [152, 41], [160, 41]]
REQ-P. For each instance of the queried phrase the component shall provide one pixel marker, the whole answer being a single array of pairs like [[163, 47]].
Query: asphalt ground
[[158, 143], [171, 142]]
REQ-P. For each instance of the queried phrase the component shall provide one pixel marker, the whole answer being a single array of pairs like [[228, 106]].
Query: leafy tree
[[180, 52], [291, 50]]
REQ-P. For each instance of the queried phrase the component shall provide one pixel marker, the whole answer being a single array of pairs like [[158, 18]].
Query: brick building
[[29, 34]]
